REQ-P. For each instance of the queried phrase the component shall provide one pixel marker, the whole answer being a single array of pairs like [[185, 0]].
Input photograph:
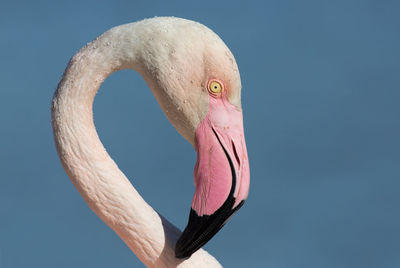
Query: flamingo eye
[[215, 87]]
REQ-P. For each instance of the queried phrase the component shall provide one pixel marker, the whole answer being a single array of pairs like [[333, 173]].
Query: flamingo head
[[194, 77]]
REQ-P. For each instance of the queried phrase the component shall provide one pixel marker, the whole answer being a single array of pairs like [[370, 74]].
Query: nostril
[[235, 153]]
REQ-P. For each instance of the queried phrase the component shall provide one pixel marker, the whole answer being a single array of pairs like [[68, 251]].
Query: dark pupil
[[215, 87]]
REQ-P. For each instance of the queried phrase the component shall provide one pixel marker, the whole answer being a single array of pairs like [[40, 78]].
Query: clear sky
[[321, 92]]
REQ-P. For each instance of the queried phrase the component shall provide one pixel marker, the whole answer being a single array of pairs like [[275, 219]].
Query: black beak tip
[[195, 235], [180, 253], [201, 229]]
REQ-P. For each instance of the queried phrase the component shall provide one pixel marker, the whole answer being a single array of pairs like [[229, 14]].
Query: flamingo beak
[[221, 176]]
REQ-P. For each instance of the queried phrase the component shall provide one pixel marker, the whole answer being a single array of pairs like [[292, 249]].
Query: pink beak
[[221, 175]]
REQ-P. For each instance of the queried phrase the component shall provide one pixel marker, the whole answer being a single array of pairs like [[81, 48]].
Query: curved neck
[[99, 180]]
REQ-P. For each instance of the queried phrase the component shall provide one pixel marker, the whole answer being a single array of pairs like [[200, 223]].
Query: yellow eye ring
[[215, 87]]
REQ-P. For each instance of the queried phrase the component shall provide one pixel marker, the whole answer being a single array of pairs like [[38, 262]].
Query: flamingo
[[195, 79]]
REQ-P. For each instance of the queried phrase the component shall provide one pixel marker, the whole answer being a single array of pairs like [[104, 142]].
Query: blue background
[[321, 91]]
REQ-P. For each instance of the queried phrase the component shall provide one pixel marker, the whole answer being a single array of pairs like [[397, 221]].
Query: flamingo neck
[[97, 177]]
